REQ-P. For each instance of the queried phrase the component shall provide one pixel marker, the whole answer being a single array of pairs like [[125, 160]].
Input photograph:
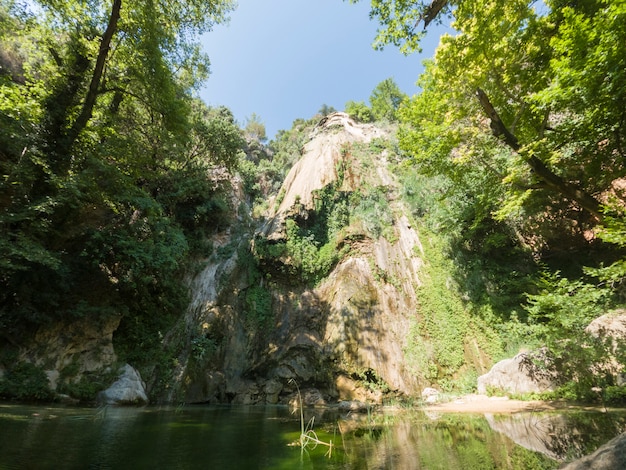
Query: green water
[[225, 437]]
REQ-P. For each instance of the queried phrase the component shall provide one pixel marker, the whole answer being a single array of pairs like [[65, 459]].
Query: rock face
[[518, 375], [347, 330], [128, 389], [84, 345], [610, 456], [321, 160]]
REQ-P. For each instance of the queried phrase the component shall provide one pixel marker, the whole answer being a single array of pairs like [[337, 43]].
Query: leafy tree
[[110, 169], [359, 111], [255, 129], [522, 112], [516, 76], [386, 99], [325, 110]]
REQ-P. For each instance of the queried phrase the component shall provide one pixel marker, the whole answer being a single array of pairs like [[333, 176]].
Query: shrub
[[25, 381]]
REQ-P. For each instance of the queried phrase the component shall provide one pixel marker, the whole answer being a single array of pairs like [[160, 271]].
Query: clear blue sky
[[284, 59]]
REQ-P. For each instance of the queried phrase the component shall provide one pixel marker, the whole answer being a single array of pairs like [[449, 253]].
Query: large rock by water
[[353, 324], [128, 389], [82, 346], [611, 326], [520, 374], [530, 372]]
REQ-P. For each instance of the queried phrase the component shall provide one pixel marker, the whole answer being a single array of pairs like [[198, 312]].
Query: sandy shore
[[485, 404]]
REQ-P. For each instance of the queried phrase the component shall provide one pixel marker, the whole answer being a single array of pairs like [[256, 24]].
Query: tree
[[548, 89], [106, 158], [255, 129], [359, 111], [386, 99], [325, 110], [400, 19]]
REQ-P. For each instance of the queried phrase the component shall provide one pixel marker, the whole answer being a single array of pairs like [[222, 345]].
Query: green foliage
[[309, 256], [444, 327], [513, 134], [25, 381], [369, 379], [325, 110], [215, 139], [87, 387], [255, 129], [264, 171], [614, 395], [399, 19], [385, 100], [258, 307], [524, 74], [110, 182], [613, 276], [359, 111], [564, 307], [373, 213], [491, 270], [560, 312], [202, 347]]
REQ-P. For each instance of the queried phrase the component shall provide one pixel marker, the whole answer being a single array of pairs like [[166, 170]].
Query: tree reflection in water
[[259, 437], [508, 441]]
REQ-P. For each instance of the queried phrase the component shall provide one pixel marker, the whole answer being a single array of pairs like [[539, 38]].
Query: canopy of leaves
[[521, 121], [111, 171], [359, 111], [385, 100], [532, 102]]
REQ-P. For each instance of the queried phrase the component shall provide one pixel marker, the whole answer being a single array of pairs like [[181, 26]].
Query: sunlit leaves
[[105, 212], [400, 23], [556, 81], [386, 99]]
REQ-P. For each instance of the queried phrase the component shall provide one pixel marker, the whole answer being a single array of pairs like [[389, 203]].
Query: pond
[[238, 437]]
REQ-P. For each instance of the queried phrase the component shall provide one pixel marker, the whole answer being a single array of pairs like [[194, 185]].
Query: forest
[[114, 174]]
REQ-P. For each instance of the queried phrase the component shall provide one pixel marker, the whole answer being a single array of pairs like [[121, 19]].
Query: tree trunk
[[432, 11], [551, 179], [90, 100]]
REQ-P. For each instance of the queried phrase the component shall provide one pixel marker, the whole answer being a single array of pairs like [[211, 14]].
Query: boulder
[[354, 406], [520, 374], [309, 397], [610, 329], [430, 395], [610, 456], [611, 325], [272, 391], [128, 389]]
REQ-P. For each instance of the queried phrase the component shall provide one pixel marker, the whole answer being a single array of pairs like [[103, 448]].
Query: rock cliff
[[342, 334], [320, 292]]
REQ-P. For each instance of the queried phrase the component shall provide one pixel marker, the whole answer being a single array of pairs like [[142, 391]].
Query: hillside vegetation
[[128, 205]]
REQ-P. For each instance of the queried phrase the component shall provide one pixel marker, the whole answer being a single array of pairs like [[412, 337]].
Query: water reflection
[[561, 436], [259, 437]]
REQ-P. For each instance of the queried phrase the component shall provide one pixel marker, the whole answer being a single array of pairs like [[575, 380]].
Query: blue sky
[[284, 59]]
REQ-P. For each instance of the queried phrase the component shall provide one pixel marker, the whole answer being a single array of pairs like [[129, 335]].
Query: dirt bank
[[485, 404]]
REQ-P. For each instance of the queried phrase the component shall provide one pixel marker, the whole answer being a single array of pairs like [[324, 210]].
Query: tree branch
[[551, 179], [432, 11]]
